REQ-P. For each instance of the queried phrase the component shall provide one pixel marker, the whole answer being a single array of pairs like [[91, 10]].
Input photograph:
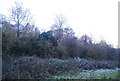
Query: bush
[[34, 67]]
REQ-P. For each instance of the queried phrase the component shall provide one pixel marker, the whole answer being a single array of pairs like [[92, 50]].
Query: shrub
[[34, 67]]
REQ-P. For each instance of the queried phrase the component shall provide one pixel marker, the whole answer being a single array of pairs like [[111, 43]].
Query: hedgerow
[[38, 68]]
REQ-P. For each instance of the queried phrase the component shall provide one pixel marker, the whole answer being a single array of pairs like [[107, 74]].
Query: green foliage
[[91, 75]]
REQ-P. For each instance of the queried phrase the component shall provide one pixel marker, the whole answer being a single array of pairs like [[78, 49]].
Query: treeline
[[56, 43], [23, 38]]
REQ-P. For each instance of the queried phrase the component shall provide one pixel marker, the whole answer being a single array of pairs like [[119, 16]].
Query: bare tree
[[58, 27], [20, 16], [59, 22]]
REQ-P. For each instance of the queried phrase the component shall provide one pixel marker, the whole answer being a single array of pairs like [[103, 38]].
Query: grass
[[92, 74]]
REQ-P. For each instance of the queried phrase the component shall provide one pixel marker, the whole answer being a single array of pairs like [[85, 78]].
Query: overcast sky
[[97, 18]]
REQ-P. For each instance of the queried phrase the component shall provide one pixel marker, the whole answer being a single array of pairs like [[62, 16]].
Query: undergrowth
[[37, 68]]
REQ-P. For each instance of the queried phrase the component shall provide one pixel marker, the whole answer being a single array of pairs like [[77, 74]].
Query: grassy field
[[93, 74]]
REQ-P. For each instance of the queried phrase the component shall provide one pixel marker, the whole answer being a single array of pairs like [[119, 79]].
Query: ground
[[37, 68]]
